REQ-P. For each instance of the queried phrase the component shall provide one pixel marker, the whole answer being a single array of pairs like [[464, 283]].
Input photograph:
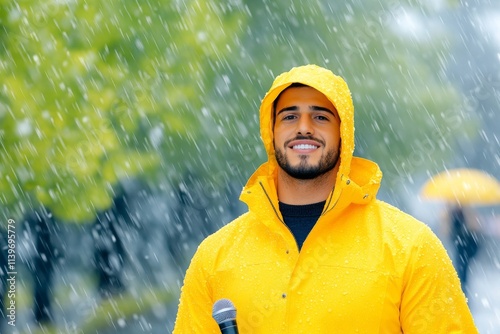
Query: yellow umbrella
[[463, 186]]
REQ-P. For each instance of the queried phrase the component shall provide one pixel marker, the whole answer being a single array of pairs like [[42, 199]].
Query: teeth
[[304, 147]]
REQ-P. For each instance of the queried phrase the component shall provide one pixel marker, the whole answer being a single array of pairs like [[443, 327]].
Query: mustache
[[301, 137]]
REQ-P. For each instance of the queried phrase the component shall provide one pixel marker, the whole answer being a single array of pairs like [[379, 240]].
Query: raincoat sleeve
[[195, 307], [432, 300]]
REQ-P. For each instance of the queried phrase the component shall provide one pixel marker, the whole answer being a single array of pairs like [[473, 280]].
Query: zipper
[[277, 215]]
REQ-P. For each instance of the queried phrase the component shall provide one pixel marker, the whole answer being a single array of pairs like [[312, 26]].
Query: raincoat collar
[[358, 180]]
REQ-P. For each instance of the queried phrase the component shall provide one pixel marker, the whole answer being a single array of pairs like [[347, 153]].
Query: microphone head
[[223, 311]]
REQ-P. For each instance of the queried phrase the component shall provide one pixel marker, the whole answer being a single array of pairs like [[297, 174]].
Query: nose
[[305, 126]]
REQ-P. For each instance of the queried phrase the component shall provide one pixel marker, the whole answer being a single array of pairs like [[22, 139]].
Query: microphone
[[224, 314]]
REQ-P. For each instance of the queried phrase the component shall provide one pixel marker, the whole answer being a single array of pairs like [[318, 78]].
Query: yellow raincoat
[[365, 267]]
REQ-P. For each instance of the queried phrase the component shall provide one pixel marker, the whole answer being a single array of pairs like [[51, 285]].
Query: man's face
[[306, 133]]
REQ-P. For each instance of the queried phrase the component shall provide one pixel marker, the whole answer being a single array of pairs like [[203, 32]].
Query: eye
[[288, 117], [322, 118]]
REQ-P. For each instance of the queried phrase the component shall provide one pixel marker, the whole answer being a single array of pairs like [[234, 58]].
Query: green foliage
[[86, 83]]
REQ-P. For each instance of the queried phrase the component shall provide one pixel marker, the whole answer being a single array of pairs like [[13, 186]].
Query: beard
[[306, 171]]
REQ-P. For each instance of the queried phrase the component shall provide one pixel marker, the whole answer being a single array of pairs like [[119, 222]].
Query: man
[[317, 252]]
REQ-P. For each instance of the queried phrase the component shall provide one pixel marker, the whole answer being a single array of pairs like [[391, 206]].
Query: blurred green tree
[[94, 92]]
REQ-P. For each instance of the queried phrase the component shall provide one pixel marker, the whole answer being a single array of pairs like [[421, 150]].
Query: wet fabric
[[365, 267]]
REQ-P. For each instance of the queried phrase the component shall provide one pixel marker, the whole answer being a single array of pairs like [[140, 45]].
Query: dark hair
[[275, 102]]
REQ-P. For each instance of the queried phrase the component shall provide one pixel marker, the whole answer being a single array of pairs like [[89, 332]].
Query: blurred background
[[128, 129]]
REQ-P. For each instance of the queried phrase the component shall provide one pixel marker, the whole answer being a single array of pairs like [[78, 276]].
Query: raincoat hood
[[362, 176]]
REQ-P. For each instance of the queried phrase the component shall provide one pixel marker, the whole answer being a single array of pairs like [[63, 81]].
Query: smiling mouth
[[304, 147]]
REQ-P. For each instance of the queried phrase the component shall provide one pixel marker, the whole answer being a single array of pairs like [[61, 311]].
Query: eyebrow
[[315, 108]]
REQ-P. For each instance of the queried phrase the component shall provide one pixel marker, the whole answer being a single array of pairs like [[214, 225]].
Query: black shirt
[[300, 219]]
